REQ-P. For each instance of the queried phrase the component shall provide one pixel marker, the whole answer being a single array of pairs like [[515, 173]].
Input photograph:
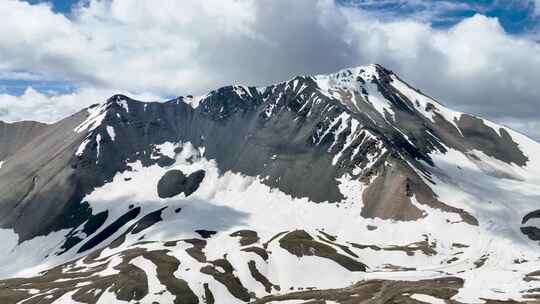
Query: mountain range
[[352, 187]]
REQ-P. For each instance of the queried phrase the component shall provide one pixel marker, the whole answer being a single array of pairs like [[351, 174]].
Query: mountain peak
[[355, 170], [357, 73]]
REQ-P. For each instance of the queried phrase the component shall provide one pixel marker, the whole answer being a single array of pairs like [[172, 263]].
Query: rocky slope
[[352, 187]]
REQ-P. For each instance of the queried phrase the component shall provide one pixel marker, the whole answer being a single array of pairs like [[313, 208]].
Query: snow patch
[[96, 115], [157, 292], [427, 299], [112, 134], [82, 146], [194, 101], [98, 148]]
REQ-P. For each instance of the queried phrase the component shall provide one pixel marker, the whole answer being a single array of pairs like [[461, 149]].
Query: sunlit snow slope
[[352, 187]]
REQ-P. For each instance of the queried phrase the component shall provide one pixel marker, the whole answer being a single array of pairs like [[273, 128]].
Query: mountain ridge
[[356, 171]]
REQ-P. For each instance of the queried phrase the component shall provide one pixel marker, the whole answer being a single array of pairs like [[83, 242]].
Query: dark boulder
[[174, 182]]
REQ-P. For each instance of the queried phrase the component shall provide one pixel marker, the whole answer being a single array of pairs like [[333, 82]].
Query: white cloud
[[19, 75], [34, 105], [474, 65], [128, 44], [530, 127], [173, 47]]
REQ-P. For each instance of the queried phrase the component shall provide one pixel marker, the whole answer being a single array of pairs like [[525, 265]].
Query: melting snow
[[110, 131], [96, 115], [166, 149], [427, 298], [194, 101], [124, 104], [98, 149], [331, 85], [381, 104], [157, 292], [82, 146]]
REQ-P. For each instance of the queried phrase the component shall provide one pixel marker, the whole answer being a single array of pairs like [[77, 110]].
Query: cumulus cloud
[[170, 47], [474, 66], [136, 45], [35, 105]]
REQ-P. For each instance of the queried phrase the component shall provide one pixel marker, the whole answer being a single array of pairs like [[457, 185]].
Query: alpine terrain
[[352, 187]]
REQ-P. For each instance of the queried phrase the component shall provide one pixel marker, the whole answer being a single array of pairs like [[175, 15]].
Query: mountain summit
[[352, 187]]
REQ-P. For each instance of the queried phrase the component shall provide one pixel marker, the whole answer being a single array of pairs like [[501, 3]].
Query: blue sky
[[516, 16], [59, 6], [481, 57], [17, 87]]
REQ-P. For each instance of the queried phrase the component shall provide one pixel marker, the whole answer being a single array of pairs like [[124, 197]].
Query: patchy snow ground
[[226, 202], [157, 292]]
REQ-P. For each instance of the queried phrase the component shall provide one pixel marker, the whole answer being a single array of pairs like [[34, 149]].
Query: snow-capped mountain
[[352, 187]]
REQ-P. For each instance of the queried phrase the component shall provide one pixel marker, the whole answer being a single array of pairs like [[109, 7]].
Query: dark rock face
[[171, 184], [147, 221], [205, 234], [531, 215], [193, 182], [174, 182], [300, 243], [495, 143], [532, 232], [92, 225], [111, 229], [247, 237]]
